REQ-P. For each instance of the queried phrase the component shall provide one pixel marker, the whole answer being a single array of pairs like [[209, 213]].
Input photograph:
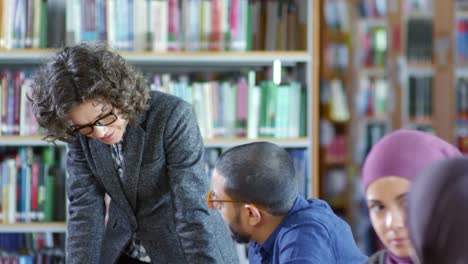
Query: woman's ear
[[254, 215]]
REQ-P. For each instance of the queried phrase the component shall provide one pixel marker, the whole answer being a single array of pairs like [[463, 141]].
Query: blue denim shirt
[[309, 233]]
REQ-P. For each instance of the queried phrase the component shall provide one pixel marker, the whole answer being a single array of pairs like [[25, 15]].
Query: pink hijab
[[404, 153]]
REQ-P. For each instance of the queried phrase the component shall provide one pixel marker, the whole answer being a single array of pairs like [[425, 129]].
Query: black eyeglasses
[[102, 121]]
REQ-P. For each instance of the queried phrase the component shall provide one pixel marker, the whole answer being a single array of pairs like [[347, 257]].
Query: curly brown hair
[[81, 73]]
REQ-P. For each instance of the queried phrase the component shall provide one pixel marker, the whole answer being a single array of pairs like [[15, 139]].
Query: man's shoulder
[[312, 211], [315, 215]]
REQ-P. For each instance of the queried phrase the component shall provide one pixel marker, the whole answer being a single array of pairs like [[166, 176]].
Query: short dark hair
[[80, 73], [261, 173]]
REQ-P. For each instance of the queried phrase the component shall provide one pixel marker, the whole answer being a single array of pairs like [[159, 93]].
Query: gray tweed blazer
[[161, 197]]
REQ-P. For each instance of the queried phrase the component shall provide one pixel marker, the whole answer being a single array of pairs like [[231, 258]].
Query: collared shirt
[[309, 233], [135, 249]]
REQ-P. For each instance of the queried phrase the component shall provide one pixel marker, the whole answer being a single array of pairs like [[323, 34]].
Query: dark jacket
[[378, 257], [161, 198]]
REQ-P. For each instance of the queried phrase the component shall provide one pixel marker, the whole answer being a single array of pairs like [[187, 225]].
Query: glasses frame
[[209, 200], [76, 129]]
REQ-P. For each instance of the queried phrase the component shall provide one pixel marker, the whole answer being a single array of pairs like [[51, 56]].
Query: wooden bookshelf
[[336, 36], [341, 128], [445, 91]]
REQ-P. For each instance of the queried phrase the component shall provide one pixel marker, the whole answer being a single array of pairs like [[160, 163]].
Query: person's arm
[[85, 224], [307, 245], [189, 184]]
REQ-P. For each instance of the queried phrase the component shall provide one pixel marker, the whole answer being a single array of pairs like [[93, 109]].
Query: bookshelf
[[334, 112], [459, 51], [372, 100], [301, 59], [421, 69]]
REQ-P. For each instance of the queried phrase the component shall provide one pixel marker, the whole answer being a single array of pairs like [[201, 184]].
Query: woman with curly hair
[[142, 148]]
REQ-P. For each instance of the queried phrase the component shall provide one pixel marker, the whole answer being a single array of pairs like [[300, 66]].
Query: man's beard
[[237, 236]]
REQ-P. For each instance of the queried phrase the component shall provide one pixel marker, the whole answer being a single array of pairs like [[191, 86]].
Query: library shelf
[[331, 74], [231, 142], [373, 71], [419, 14], [223, 58], [373, 21], [379, 118], [336, 36], [423, 121], [26, 141], [53, 227], [302, 142], [336, 162]]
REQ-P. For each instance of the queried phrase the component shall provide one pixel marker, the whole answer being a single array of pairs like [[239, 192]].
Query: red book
[[173, 26], [34, 189], [216, 30]]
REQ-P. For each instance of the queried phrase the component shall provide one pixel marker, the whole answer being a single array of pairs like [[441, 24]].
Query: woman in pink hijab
[[388, 171]]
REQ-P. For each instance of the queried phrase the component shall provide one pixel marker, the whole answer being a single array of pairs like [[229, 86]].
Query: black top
[[378, 257]]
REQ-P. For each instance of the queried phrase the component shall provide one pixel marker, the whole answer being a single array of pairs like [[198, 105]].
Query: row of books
[[334, 100], [462, 98], [334, 184], [337, 15], [368, 133], [373, 46], [16, 116], [461, 128], [412, 6], [461, 41], [461, 135], [234, 107], [239, 107], [173, 25], [31, 248], [373, 97], [419, 40], [373, 8], [420, 97], [24, 24], [336, 57], [32, 186], [299, 158]]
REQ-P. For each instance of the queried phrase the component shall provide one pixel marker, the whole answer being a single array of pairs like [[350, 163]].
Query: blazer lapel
[[110, 178], [133, 145]]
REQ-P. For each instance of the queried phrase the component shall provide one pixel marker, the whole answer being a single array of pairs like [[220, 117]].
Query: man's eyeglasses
[[214, 203], [102, 121]]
